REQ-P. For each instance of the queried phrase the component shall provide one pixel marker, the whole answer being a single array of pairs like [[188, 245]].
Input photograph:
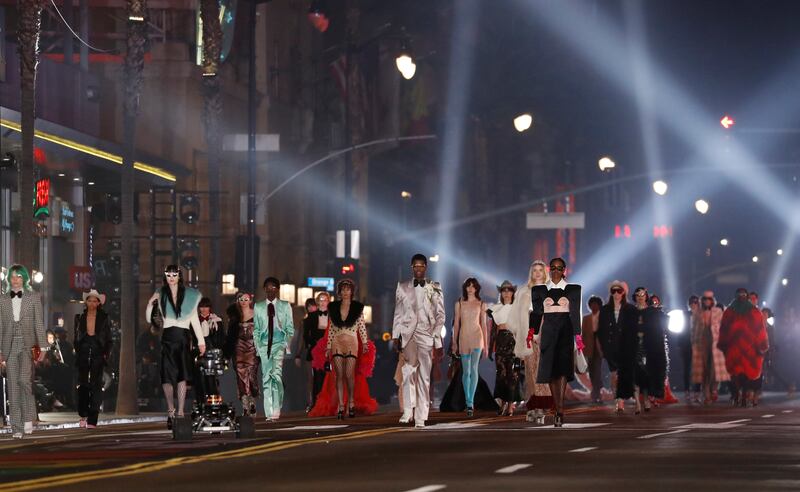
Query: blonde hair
[[531, 281]]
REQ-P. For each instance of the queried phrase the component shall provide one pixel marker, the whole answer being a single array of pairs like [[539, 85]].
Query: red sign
[[81, 278], [42, 199]]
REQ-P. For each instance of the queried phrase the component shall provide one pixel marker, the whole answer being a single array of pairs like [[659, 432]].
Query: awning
[[95, 151]]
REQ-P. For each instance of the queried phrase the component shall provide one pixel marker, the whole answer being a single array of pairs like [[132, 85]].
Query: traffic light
[[346, 268], [727, 122]]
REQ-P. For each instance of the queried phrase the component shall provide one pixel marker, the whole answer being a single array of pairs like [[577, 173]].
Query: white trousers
[[417, 355]]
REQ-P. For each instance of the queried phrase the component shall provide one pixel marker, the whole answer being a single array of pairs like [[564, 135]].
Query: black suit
[[91, 353]]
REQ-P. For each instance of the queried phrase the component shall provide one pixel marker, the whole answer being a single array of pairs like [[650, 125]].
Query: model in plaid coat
[[708, 362]]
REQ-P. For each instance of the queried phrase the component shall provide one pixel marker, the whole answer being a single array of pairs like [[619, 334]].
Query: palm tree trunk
[[134, 66], [30, 22], [212, 45]]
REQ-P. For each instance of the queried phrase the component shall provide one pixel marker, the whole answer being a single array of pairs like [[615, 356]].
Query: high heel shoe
[[470, 412], [170, 418], [340, 414], [351, 413], [559, 420]]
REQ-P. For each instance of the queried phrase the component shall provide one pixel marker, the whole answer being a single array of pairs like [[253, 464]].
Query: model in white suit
[[417, 332]]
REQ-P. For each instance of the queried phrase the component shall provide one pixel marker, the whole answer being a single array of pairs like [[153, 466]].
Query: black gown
[[643, 359], [561, 324], [610, 329]]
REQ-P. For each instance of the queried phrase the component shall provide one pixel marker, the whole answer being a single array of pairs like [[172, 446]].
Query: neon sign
[[41, 203]]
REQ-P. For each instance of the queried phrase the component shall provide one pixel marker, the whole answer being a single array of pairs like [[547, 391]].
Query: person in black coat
[[617, 316], [93, 343]]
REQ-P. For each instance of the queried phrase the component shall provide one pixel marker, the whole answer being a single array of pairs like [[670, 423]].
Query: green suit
[[272, 359]]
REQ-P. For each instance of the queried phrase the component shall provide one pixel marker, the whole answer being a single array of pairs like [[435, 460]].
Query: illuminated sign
[[662, 231], [81, 278], [622, 231], [727, 122], [321, 282], [41, 203], [67, 223]]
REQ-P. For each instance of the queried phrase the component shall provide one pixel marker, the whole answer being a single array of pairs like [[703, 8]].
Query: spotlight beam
[[459, 81], [592, 37]]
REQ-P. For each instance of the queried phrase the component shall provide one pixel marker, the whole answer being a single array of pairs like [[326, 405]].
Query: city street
[[676, 447]]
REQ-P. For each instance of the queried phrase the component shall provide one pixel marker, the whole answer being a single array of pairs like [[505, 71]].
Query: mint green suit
[[272, 360]]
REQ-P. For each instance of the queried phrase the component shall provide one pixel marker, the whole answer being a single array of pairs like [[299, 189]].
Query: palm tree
[[212, 45], [134, 66], [30, 23]]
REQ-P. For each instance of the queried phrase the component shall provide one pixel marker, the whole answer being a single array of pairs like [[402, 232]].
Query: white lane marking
[[308, 427], [767, 416], [455, 425], [787, 411], [721, 425], [513, 468], [583, 450], [569, 426], [428, 488], [659, 434]]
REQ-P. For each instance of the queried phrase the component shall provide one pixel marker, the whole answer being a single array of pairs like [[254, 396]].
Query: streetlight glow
[[660, 187], [605, 163], [677, 321], [406, 66], [523, 122], [723, 242], [785, 282], [434, 258], [405, 194], [755, 259], [780, 252], [701, 206]]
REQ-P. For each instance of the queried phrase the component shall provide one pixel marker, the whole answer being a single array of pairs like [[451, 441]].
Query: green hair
[[20, 270]]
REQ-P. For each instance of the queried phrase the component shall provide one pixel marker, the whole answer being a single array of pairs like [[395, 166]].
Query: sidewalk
[[70, 420]]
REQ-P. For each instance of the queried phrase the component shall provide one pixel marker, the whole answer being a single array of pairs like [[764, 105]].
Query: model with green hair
[[22, 338]]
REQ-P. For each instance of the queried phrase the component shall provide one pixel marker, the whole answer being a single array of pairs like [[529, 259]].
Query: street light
[[605, 164], [780, 252], [723, 242], [434, 258], [523, 122], [660, 187], [785, 282], [405, 194], [405, 61], [701, 206], [755, 259], [38, 277]]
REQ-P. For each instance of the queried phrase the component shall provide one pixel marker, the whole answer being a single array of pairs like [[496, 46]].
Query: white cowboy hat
[[93, 293]]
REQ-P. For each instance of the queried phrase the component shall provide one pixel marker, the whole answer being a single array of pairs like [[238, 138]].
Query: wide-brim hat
[[506, 285], [619, 283], [93, 293]]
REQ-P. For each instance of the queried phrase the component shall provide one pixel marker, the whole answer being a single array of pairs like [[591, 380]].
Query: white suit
[[418, 321]]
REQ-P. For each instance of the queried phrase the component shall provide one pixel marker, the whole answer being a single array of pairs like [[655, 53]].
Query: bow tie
[[419, 283], [15, 294], [323, 313]]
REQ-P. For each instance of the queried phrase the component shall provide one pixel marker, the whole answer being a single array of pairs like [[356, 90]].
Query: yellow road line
[[153, 466]]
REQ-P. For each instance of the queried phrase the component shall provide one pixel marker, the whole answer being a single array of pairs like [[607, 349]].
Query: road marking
[[767, 416], [306, 427], [583, 450], [721, 425], [428, 488], [650, 436], [455, 425], [153, 466], [514, 468], [787, 411]]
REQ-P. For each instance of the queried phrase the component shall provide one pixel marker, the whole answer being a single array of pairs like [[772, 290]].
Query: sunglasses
[[641, 293], [708, 299], [557, 268], [617, 290], [171, 274], [244, 299]]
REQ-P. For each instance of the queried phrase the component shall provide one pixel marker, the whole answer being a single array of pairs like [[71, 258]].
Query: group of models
[[535, 333]]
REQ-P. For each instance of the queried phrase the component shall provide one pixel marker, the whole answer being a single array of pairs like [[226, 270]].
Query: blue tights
[[469, 374]]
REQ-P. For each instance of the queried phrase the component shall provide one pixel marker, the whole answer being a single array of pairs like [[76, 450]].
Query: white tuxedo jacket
[[410, 319]]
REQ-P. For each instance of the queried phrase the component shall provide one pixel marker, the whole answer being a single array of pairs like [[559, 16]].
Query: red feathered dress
[[743, 338], [327, 400]]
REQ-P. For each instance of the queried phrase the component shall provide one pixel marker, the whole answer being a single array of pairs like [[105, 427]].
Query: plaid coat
[[30, 317], [703, 340]]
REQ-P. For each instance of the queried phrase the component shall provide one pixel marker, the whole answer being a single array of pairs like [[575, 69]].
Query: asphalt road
[[676, 447]]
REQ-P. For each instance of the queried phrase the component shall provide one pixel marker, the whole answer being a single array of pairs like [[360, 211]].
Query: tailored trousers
[[417, 360], [272, 379], [20, 389]]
